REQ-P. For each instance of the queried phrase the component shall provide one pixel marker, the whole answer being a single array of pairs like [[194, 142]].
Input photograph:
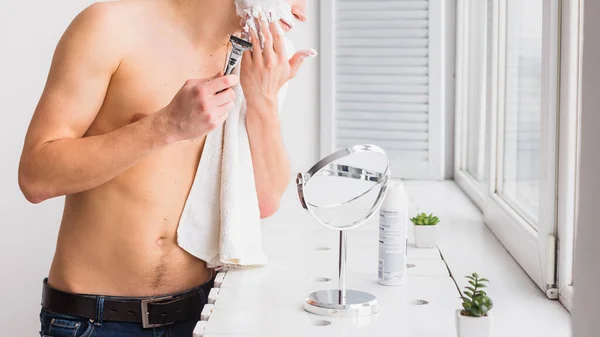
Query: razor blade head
[[245, 45]]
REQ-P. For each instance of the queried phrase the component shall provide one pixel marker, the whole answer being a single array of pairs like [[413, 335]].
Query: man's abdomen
[[120, 239]]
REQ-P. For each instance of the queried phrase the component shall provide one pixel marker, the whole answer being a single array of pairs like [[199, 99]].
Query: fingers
[[267, 39], [256, 46], [218, 115], [265, 33], [278, 44], [221, 83], [298, 59], [222, 98], [263, 39], [295, 63], [222, 112]]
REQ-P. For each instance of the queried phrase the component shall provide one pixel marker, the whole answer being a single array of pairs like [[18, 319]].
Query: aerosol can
[[393, 241]]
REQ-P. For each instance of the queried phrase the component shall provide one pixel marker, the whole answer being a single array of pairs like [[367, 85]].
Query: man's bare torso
[[120, 238]]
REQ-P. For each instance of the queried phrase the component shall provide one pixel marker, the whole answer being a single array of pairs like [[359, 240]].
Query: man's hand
[[266, 70], [198, 108]]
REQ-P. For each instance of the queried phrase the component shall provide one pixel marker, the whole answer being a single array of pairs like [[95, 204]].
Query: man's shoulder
[[105, 27], [97, 37], [105, 17]]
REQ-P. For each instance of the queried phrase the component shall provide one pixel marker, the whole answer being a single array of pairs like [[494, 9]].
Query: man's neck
[[208, 23]]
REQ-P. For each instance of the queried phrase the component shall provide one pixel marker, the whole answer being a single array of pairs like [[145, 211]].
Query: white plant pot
[[473, 326], [426, 236]]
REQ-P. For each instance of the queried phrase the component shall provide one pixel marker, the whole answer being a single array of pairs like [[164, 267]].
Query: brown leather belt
[[150, 312]]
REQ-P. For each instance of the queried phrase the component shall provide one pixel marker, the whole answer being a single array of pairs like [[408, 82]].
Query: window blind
[[382, 81]]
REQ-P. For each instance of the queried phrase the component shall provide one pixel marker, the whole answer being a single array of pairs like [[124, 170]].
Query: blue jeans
[[59, 325]]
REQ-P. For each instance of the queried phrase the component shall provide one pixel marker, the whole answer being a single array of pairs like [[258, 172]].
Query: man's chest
[[147, 81]]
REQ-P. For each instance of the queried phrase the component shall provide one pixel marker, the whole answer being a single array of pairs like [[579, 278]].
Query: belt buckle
[[145, 314]]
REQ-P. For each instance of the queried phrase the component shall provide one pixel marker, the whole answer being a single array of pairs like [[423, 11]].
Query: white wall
[[586, 280], [29, 31]]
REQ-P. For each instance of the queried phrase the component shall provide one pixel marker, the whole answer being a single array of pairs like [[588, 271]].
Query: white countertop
[[268, 301]]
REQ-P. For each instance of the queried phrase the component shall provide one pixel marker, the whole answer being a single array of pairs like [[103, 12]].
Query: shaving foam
[[272, 10]]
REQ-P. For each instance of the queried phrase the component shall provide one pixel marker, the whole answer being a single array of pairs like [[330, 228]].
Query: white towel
[[220, 223]]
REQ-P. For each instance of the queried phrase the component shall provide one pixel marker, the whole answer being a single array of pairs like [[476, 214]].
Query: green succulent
[[425, 220], [476, 303]]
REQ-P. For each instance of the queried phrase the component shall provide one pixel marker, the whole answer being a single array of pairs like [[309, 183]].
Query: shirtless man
[[133, 90]]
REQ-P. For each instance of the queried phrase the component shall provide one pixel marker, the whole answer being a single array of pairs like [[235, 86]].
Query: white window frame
[[534, 250], [440, 87], [569, 143], [463, 77]]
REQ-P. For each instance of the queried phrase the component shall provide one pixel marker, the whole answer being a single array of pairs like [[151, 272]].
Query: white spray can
[[393, 228]]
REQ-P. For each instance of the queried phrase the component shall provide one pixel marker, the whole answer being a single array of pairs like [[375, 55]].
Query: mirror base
[[327, 303]]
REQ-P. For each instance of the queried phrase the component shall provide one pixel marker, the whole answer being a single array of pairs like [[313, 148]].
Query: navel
[[161, 242]]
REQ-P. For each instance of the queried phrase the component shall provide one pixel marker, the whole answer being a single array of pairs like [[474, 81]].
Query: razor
[[239, 47]]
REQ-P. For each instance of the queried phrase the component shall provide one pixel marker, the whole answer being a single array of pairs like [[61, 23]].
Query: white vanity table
[[341, 192], [268, 301]]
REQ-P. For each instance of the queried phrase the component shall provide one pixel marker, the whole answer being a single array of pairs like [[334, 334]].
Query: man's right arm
[[57, 159]]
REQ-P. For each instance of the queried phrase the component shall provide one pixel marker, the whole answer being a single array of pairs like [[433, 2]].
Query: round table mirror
[[342, 191]]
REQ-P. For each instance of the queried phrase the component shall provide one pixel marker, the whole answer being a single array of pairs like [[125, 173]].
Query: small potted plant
[[473, 320], [426, 230]]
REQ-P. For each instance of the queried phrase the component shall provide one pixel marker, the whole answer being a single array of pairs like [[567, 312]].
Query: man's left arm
[[272, 170], [264, 72]]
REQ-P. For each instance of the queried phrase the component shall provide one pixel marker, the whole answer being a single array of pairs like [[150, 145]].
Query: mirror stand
[[342, 213], [341, 302]]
